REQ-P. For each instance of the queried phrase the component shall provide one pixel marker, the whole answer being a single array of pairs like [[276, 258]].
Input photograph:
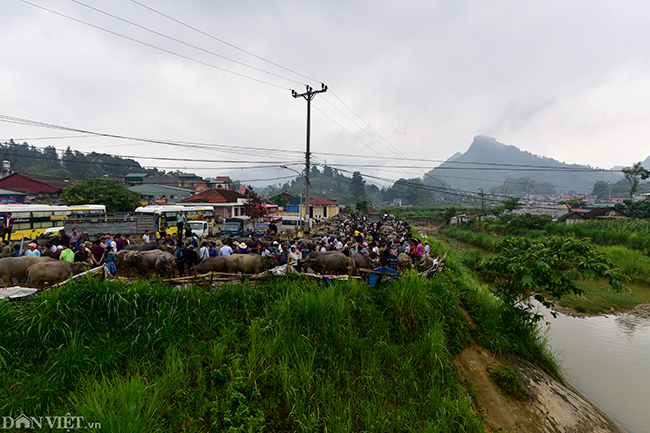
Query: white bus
[[32, 220]]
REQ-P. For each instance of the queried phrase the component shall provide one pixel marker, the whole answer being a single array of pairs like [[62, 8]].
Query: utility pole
[[308, 95], [482, 195]]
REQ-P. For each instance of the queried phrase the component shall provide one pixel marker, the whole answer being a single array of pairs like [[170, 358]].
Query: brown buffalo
[[52, 271], [16, 267]]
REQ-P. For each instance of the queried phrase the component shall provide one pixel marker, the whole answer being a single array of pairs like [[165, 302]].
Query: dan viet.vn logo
[[65, 422]]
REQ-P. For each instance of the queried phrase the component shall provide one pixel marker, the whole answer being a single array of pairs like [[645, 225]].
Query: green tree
[[511, 203], [523, 266], [633, 174], [602, 189], [280, 200], [449, 213], [115, 197], [357, 188], [362, 205]]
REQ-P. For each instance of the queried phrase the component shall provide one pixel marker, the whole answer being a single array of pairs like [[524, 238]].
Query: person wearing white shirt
[[204, 252], [427, 249], [225, 251], [145, 237], [294, 255]]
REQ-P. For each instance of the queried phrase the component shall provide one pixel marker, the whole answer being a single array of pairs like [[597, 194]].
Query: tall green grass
[[465, 234], [634, 234], [635, 264], [277, 356]]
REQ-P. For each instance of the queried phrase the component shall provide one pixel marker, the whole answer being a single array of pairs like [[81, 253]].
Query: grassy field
[[598, 298], [634, 234], [278, 356]]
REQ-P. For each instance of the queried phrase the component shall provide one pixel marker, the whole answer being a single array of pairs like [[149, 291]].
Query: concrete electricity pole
[[308, 95]]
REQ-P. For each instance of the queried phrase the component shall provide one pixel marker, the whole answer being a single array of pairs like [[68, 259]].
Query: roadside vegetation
[[625, 248], [282, 355]]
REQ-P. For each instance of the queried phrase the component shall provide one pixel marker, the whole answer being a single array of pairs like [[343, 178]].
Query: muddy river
[[607, 358]]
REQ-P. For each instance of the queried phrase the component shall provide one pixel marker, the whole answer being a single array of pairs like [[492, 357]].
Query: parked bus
[[167, 215], [32, 220]]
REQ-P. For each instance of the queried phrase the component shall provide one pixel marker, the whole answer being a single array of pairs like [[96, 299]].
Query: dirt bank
[[551, 407]]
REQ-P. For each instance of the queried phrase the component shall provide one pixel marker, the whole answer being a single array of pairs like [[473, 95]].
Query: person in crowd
[[204, 252], [32, 250], [212, 249], [73, 239], [82, 255], [162, 233], [15, 251], [47, 251], [84, 238], [188, 231], [180, 258], [57, 254], [113, 243], [127, 241], [7, 226], [255, 246], [119, 242], [180, 223], [265, 251], [427, 248], [294, 254], [273, 229], [394, 252], [194, 242], [243, 248], [61, 239], [284, 255], [191, 259], [6, 249], [110, 261], [168, 240], [67, 254], [225, 250], [98, 252], [145, 237]]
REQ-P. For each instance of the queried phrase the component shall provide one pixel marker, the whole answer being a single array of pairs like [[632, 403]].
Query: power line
[[224, 42], [154, 46], [184, 43]]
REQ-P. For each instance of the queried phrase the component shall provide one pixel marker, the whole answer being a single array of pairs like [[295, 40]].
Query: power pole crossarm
[[308, 95]]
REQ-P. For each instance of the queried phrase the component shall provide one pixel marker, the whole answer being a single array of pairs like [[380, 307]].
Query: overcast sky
[[563, 79]]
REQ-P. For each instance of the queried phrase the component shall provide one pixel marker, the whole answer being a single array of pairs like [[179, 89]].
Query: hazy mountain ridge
[[476, 168]]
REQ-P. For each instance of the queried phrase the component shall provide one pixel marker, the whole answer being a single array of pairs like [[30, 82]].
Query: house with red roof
[[36, 186], [227, 203]]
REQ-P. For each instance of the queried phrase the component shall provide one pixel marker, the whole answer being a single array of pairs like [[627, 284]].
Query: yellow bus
[[32, 220]]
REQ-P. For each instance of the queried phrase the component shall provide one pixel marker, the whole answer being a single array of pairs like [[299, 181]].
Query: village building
[[605, 213], [37, 187], [7, 196], [226, 202], [572, 217], [319, 207], [151, 194]]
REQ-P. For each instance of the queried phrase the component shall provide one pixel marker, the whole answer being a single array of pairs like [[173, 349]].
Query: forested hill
[[73, 165], [474, 169]]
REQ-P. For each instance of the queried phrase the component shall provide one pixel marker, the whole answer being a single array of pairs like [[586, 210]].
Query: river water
[[607, 358]]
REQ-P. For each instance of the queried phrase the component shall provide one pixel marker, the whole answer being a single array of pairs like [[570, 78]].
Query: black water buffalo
[[249, 263], [326, 262], [212, 264], [142, 247]]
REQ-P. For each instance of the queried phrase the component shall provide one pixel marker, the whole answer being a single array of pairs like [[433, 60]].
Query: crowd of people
[[356, 234]]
